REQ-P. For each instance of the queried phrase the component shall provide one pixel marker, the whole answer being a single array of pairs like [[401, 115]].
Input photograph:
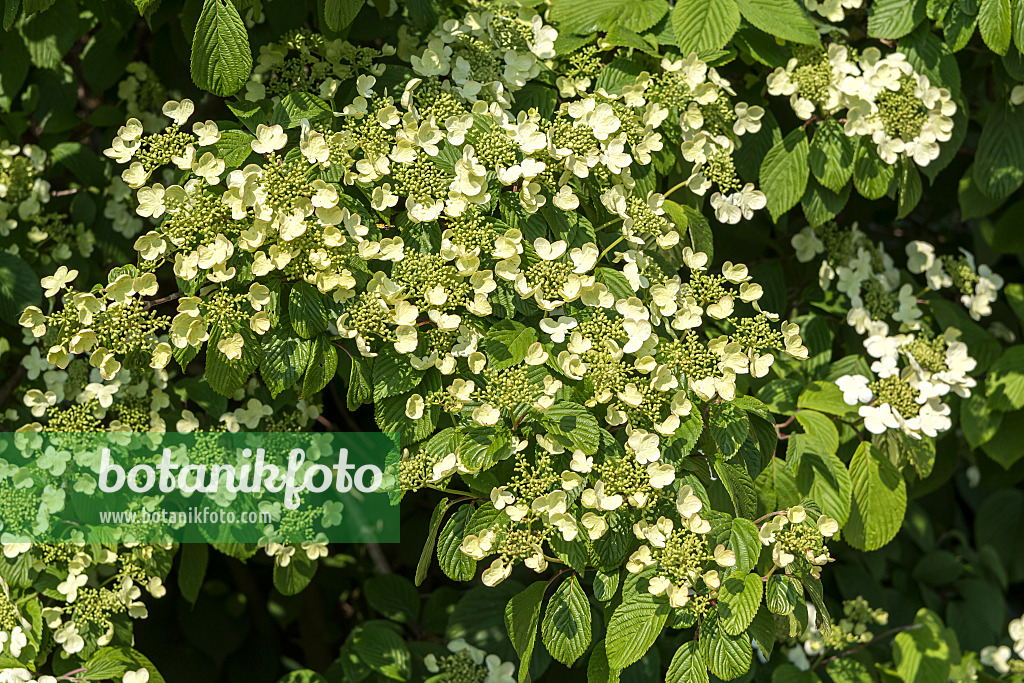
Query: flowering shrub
[[694, 322]]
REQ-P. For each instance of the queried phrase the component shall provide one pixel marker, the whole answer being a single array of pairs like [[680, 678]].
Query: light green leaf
[[784, 173], [922, 654], [428, 545], [635, 623], [744, 542], [784, 19], [700, 25], [879, 500], [507, 342], [522, 613], [383, 650], [871, 176], [738, 600], [1004, 386], [587, 16], [822, 435], [831, 155], [994, 22], [575, 423], [221, 57], [687, 665], [893, 19], [567, 622], [782, 594], [454, 563]]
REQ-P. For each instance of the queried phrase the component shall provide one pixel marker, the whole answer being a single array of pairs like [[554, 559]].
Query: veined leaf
[[700, 25], [567, 622], [221, 57]]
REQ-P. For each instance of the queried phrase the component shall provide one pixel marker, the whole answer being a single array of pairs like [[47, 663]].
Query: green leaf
[[598, 668], [983, 348], [738, 599], [831, 155], [999, 162], [567, 622], [323, 364], [360, 388], [871, 176], [762, 629], [1004, 446], [338, 14], [454, 563], [1003, 509], [994, 22], [687, 665], [234, 147], [826, 397], [700, 25], [821, 204], [284, 360], [635, 623], [383, 650], [909, 187], [784, 173], [428, 545], [740, 487], [393, 374], [979, 422], [781, 18], [879, 500], [221, 57], [507, 342], [114, 662], [822, 435], [891, 19], [292, 578], [959, 25], [225, 375], [573, 422], [393, 596], [307, 310], [922, 654], [587, 16], [729, 425], [1004, 385], [727, 656], [19, 287], [192, 569], [743, 541], [522, 613], [782, 594], [824, 478]]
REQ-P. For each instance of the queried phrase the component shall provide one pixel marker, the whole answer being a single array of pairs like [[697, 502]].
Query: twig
[[855, 650]]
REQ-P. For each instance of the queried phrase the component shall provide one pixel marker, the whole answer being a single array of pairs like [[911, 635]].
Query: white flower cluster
[[908, 395], [468, 663], [979, 285], [884, 98], [22, 191], [999, 657]]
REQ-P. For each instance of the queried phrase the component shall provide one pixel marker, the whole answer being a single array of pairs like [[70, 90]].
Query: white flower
[[269, 139]]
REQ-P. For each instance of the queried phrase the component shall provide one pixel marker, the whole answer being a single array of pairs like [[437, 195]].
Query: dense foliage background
[[925, 575]]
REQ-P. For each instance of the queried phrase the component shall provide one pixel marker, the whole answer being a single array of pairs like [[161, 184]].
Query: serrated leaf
[[871, 175], [221, 57], [307, 310], [744, 542], [567, 622], [700, 25], [738, 599], [740, 487], [19, 287], [574, 423], [727, 656], [784, 19], [436, 517], [522, 614], [393, 596], [995, 26], [635, 623], [226, 375], [383, 650], [999, 162], [587, 16], [323, 364], [293, 577], [879, 500], [687, 665], [762, 630], [393, 374], [360, 387], [784, 173], [507, 342], [454, 563], [782, 594], [338, 14], [830, 156], [893, 19], [284, 360]]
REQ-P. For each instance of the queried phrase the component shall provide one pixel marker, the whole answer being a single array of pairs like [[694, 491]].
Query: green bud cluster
[[899, 394], [757, 334], [157, 150], [901, 112]]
